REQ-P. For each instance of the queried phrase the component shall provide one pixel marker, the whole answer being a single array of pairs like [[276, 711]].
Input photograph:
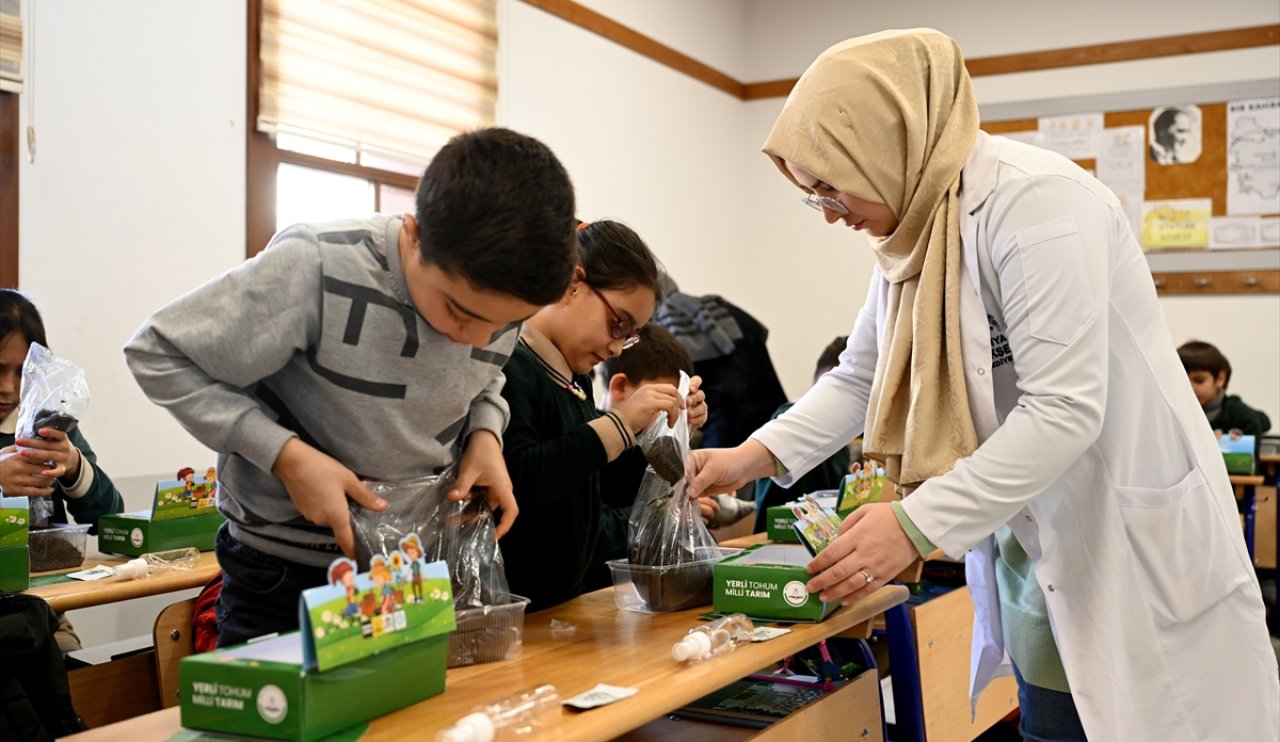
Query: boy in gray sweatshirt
[[360, 349]]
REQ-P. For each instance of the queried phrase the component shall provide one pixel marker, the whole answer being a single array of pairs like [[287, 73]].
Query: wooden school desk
[[69, 595], [608, 646]]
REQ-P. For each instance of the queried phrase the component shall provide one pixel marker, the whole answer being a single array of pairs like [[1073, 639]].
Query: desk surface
[[608, 646], [74, 594]]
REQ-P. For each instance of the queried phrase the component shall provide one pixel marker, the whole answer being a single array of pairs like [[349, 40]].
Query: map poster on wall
[[1253, 156], [1174, 224]]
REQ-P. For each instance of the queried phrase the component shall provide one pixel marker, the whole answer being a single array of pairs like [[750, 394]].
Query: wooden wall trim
[[9, 147], [1122, 51], [637, 42], [1126, 51]]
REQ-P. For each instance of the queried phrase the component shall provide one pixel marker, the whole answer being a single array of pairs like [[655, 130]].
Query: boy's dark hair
[[614, 257], [830, 357], [496, 207], [1197, 355], [18, 314], [659, 355]]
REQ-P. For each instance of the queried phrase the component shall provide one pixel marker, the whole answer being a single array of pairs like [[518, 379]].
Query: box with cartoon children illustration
[[184, 512], [370, 642]]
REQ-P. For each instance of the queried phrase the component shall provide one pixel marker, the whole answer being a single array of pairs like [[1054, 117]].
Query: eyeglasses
[[620, 328], [825, 202]]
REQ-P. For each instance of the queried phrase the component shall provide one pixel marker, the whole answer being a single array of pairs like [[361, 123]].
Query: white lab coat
[[1105, 468]]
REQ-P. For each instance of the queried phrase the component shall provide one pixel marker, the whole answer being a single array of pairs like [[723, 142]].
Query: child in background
[[657, 359], [1209, 373], [75, 483], [558, 442], [826, 475], [369, 348]]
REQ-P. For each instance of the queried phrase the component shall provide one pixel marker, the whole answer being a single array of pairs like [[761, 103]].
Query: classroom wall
[[136, 194], [643, 143]]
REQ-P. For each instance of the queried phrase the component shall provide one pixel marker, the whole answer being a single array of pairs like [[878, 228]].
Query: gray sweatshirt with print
[[316, 337]]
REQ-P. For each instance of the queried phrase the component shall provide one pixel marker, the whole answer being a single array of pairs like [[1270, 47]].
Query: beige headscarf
[[891, 118]]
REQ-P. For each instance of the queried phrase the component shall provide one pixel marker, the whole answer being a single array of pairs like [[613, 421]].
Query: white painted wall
[[136, 194], [643, 143]]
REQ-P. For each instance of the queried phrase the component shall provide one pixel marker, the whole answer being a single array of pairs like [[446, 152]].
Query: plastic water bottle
[[505, 718], [173, 560], [714, 638]]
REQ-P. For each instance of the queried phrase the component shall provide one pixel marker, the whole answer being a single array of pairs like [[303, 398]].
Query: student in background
[[558, 441], [75, 482], [368, 348], [657, 359], [1012, 369], [824, 476], [1210, 373]]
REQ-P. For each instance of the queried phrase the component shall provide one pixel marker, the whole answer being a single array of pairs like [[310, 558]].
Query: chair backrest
[[173, 635]]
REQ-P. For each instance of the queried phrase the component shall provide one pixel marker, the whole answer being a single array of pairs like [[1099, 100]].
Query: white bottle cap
[[133, 569], [475, 727], [693, 646]]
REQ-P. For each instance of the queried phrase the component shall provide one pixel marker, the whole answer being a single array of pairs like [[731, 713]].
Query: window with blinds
[[11, 46], [388, 79]]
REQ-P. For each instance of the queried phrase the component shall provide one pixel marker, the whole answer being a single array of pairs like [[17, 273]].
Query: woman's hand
[[712, 471], [483, 466], [871, 549], [639, 409]]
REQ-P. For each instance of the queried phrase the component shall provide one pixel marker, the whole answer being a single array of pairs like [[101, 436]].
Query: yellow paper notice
[[1176, 224]]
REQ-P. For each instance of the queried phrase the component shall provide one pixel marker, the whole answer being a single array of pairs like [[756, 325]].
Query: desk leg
[[908, 709]]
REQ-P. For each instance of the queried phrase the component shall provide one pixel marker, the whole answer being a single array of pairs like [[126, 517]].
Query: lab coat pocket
[[1185, 562], [1059, 300]]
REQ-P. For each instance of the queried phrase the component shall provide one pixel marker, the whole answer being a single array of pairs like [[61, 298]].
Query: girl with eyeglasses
[[558, 442], [1013, 370]]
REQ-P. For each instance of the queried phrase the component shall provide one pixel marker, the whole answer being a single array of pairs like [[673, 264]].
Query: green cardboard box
[[779, 518], [15, 556], [15, 568], [261, 689], [136, 533], [768, 581]]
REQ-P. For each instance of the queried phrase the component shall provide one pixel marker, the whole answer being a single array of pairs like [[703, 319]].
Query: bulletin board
[[1206, 177]]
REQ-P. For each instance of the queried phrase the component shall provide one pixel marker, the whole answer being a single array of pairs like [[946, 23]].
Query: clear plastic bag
[[665, 447], [490, 619], [665, 528], [54, 395]]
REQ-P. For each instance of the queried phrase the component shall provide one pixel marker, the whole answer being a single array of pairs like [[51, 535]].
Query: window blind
[[392, 78], [11, 46]]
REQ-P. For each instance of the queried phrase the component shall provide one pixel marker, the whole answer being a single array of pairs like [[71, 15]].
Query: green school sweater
[[555, 460]]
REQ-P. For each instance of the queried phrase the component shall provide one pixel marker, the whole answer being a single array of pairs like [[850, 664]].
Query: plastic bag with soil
[[420, 515], [665, 528], [54, 395]]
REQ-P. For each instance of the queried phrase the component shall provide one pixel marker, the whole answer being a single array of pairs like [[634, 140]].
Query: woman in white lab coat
[[1013, 369]]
